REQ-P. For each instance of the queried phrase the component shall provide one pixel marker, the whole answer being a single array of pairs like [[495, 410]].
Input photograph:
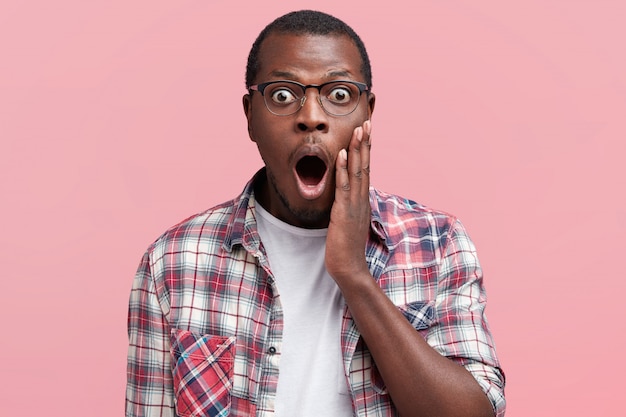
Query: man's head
[[308, 91], [307, 22]]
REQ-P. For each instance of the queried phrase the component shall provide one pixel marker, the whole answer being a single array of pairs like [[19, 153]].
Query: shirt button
[[272, 350]]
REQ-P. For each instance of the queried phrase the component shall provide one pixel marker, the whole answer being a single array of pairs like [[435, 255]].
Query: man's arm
[[421, 381], [149, 379]]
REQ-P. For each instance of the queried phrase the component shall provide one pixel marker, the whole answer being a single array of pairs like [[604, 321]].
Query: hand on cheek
[[350, 215]]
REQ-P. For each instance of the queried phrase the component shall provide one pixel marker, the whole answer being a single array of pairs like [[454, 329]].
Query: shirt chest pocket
[[202, 369]]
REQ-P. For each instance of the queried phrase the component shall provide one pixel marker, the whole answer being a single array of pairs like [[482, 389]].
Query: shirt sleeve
[[461, 331], [149, 390]]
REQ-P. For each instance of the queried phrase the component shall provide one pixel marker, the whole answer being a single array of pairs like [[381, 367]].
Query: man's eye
[[283, 96], [339, 95]]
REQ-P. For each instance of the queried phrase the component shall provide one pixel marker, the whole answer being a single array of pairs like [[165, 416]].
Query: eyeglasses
[[284, 98]]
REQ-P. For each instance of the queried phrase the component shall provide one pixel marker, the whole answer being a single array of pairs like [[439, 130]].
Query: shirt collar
[[242, 228]]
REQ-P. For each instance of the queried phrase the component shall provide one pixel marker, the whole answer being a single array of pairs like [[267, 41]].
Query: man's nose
[[311, 115]]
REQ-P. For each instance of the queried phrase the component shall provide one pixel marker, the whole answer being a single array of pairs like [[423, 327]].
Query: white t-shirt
[[311, 380]]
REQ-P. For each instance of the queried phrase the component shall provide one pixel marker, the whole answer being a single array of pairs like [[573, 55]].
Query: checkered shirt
[[205, 320]]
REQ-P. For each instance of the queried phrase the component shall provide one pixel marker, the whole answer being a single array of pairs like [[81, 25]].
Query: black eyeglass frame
[[262, 86]]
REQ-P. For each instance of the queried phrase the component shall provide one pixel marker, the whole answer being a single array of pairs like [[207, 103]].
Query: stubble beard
[[309, 217]]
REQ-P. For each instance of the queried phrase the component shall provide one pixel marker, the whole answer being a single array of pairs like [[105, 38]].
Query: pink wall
[[120, 118]]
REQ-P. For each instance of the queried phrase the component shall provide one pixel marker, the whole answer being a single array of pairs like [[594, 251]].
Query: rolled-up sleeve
[[461, 331]]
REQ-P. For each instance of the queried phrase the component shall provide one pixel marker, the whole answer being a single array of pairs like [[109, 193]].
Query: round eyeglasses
[[284, 98]]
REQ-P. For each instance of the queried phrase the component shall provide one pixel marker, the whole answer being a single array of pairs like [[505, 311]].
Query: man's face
[[300, 150]]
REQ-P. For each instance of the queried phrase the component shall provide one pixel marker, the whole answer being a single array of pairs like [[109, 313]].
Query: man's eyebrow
[[286, 75], [338, 73], [283, 74]]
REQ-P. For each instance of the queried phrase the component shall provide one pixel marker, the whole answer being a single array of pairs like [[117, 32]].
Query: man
[[311, 294]]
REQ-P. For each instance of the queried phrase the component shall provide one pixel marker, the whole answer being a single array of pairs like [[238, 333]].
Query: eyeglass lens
[[336, 98]]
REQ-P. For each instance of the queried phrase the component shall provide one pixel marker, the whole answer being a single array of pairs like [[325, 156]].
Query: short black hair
[[307, 22]]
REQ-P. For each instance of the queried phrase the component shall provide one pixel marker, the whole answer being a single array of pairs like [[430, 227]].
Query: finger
[[354, 158], [367, 127], [365, 156], [342, 180]]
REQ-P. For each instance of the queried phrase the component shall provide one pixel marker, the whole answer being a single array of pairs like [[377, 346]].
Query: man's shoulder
[[403, 221], [209, 224], [415, 233], [220, 225], [394, 209]]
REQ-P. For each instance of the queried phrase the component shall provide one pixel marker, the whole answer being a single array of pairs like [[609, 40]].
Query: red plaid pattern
[[203, 372], [205, 318]]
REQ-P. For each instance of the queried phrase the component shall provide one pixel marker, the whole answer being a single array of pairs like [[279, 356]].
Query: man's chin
[[307, 215], [311, 219]]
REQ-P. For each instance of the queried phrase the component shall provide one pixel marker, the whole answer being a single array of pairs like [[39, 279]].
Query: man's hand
[[420, 380], [350, 216]]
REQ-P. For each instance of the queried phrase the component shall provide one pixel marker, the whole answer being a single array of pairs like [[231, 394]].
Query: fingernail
[[368, 126], [343, 154], [359, 133]]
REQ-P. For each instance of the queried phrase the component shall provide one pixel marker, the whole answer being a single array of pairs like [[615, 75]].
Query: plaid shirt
[[205, 320]]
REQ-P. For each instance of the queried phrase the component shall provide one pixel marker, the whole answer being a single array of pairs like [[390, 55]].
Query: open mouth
[[311, 170]]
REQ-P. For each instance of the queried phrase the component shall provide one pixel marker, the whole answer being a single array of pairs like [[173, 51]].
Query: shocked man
[[312, 293]]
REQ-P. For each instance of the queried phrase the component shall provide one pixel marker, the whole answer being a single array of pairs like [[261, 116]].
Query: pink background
[[120, 118]]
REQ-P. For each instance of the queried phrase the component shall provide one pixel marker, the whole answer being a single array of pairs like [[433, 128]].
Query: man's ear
[[371, 100], [246, 100]]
